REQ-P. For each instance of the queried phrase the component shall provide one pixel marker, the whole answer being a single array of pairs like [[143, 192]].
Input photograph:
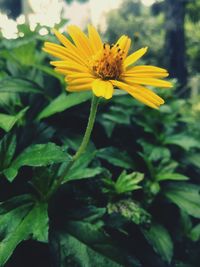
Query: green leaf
[[25, 54], [125, 183], [194, 159], [83, 174], [80, 171], [128, 182], [185, 196], [116, 157], [8, 121], [50, 71], [171, 176], [37, 155], [63, 102], [19, 224], [184, 141], [158, 153], [195, 233], [161, 241], [17, 85], [85, 244], [7, 150]]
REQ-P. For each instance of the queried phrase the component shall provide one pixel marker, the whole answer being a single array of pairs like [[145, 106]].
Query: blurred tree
[[175, 39], [135, 20], [13, 8], [193, 10]]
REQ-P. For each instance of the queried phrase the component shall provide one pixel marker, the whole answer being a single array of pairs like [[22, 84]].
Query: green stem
[[81, 149]]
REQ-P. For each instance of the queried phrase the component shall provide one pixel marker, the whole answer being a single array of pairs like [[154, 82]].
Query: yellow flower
[[89, 64]]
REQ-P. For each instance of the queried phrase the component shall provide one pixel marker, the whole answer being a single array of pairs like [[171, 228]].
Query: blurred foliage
[[146, 27], [134, 192], [136, 21]]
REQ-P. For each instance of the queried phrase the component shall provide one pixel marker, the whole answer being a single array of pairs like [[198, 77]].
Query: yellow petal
[[80, 39], [64, 40], [148, 94], [54, 53], [68, 44], [144, 75], [94, 39], [77, 88], [80, 81], [148, 81], [75, 75], [127, 47], [60, 70], [135, 56], [63, 52], [70, 66], [145, 68], [141, 94], [102, 88]]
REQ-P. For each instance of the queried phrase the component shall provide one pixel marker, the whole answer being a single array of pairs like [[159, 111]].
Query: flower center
[[108, 63]]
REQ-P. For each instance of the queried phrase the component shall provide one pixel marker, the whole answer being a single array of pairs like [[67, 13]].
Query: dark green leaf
[[63, 102], [80, 168], [161, 241], [85, 244], [182, 140], [37, 155], [116, 157], [7, 150], [194, 159], [186, 196], [195, 233], [17, 85], [18, 225]]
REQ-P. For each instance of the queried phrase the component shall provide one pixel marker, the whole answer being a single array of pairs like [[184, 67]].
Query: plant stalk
[[81, 149]]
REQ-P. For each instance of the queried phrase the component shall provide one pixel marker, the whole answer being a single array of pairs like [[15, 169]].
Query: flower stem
[[81, 149]]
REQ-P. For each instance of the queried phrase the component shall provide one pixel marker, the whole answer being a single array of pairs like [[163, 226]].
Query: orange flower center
[[108, 63]]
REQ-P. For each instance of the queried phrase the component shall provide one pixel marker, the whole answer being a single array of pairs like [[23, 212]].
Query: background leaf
[[161, 241], [185, 196]]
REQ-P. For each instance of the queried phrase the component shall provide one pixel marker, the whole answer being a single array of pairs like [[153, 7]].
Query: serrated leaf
[[160, 239], [63, 102], [85, 244], [37, 155], [18, 225], [186, 196]]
